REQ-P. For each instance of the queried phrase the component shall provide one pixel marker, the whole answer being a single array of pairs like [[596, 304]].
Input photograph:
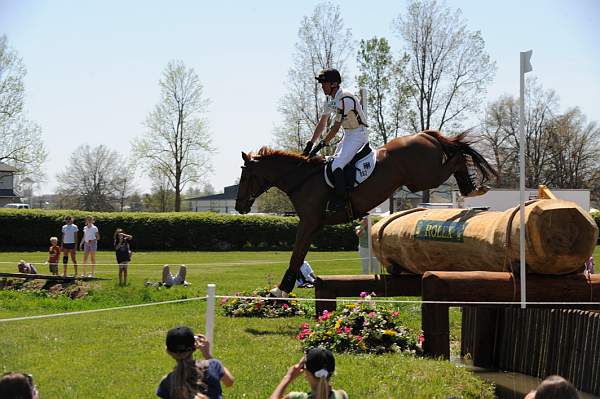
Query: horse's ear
[[245, 157]]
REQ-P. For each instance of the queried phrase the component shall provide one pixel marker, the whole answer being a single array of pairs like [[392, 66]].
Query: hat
[[181, 339], [319, 359], [329, 75]]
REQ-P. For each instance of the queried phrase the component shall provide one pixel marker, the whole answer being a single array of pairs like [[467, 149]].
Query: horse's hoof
[[480, 190]]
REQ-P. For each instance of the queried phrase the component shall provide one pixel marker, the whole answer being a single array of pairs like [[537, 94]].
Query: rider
[[349, 114]]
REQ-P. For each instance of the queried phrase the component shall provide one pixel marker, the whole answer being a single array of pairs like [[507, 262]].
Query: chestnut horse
[[420, 161]]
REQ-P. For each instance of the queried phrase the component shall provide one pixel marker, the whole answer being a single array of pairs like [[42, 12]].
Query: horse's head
[[252, 185]]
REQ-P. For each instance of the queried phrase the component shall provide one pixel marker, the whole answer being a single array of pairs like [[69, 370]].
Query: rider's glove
[[317, 148], [309, 146]]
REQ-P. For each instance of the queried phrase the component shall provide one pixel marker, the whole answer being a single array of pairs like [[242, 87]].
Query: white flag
[[526, 61]]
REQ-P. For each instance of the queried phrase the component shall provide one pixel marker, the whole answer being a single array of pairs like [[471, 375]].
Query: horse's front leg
[[304, 237]]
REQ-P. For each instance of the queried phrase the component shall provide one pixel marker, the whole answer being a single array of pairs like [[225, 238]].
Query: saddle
[[358, 169]]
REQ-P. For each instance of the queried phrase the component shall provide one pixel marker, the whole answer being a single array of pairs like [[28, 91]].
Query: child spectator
[[69, 244], [123, 254], [53, 255], [27, 268], [192, 378], [554, 387], [17, 386], [318, 366], [89, 244]]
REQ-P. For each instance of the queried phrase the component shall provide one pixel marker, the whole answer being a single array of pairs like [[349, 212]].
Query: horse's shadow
[[285, 332]]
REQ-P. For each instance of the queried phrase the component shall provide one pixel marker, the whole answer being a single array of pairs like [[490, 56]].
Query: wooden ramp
[[50, 277]]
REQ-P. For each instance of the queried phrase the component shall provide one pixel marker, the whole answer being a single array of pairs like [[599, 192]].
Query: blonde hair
[[188, 379], [53, 239], [323, 388]]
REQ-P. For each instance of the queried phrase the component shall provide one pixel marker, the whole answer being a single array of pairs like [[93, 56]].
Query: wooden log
[[49, 277], [504, 287], [383, 285], [560, 237]]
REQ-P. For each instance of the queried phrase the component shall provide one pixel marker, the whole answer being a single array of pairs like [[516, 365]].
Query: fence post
[[210, 314]]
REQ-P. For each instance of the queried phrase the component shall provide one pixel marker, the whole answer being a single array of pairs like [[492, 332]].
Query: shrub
[[258, 307], [171, 231], [359, 327]]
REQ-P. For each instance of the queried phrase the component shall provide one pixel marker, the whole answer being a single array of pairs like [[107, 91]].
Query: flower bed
[[360, 327], [259, 307]]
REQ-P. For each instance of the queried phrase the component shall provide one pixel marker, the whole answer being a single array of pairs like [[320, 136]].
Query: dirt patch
[[73, 290]]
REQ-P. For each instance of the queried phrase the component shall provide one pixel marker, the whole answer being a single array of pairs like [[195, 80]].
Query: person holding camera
[[318, 366], [192, 378]]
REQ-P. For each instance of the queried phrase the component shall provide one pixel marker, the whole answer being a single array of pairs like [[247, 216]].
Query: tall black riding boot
[[338, 203]]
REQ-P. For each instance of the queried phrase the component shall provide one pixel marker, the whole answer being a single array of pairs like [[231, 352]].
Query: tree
[[162, 196], [92, 178], [385, 81], [21, 142], [274, 201], [323, 42], [501, 135], [449, 68], [177, 142]]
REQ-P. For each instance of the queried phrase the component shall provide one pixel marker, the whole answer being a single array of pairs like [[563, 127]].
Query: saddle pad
[[364, 167]]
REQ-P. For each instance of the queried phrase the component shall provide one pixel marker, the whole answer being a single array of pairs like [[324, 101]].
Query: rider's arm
[[332, 132], [320, 128]]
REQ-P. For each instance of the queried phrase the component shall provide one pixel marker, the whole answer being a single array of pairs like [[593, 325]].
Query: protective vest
[[354, 118]]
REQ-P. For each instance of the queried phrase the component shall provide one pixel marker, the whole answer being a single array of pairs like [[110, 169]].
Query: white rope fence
[[80, 312]]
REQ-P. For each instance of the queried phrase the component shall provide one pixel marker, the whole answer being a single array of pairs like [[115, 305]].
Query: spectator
[[192, 378], [27, 268], [89, 245], [554, 387], [306, 276], [123, 254], [18, 386], [362, 231], [69, 243], [169, 280], [589, 265], [53, 255], [318, 366]]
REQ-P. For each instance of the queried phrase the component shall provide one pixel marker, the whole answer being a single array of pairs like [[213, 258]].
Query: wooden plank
[[50, 277], [436, 330]]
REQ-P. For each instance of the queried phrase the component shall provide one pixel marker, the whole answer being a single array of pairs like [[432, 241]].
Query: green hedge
[[31, 230]]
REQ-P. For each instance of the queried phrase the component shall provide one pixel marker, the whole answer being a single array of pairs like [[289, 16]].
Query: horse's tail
[[460, 143]]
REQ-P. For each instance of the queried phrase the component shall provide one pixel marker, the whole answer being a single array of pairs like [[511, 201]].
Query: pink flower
[[224, 300], [359, 338], [421, 339], [395, 314], [347, 330], [363, 294], [305, 326], [372, 314], [326, 315], [285, 306]]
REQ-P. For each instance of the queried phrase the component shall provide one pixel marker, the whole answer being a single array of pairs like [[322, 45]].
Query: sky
[[93, 67]]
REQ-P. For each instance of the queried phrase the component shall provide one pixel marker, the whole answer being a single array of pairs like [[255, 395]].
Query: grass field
[[120, 353]]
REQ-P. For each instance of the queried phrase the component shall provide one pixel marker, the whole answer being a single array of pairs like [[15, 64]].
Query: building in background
[[7, 185], [219, 203]]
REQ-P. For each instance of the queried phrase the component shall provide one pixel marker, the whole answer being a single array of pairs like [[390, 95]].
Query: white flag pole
[[210, 315], [525, 67], [363, 103]]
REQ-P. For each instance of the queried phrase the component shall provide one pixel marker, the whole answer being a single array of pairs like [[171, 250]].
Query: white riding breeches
[[352, 141]]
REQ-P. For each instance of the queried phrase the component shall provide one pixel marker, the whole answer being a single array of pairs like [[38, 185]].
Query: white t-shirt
[[69, 233], [89, 233]]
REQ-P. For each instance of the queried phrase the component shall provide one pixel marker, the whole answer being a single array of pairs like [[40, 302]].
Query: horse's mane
[[270, 153]]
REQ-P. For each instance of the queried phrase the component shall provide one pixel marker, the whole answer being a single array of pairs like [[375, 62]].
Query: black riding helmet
[[329, 75]]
